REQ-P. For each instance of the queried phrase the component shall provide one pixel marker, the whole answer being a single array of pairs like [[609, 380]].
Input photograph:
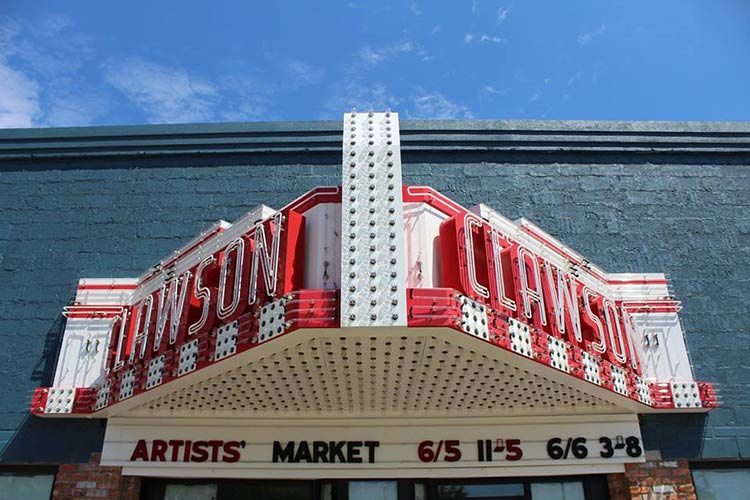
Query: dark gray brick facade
[[632, 197]]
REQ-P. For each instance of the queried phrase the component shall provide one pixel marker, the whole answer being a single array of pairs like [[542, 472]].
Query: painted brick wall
[[653, 480], [91, 480], [690, 220]]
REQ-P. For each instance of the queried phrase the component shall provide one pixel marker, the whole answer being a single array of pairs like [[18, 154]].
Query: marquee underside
[[374, 372]]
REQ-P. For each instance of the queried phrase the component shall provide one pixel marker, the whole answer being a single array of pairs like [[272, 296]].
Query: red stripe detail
[[432, 198], [637, 282], [650, 303], [92, 315], [107, 287], [315, 197], [93, 311], [95, 306], [651, 307]]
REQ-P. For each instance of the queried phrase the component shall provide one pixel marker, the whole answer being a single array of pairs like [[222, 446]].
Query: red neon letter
[[528, 293]]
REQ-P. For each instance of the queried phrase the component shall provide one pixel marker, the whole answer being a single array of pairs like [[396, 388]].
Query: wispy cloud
[[53, 24], [19, 98], [357, 93], [584, 38], [361, 86], [502, 14], [50, 48], [65, 107], [301, 74], [243, 97], [19, 93], [492, 39], [171, 94], [489, 89], [435, 105], [41, 83], [469, 38], [165, 94], [535, 96], [373, 56]]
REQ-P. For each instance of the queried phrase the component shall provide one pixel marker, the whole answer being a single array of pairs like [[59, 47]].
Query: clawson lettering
[[345, 452], [488, 265], [214, 291]]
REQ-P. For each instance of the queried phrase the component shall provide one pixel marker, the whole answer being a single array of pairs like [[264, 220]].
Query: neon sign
[[375, 256]]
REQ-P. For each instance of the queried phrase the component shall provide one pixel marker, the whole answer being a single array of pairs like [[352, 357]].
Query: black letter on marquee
[[283, 455], [352, 452], [320, 451], [303, 452], [371, 445], [335, 449]]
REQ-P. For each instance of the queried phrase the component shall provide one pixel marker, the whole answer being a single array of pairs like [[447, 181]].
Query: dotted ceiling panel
[[374, 375]]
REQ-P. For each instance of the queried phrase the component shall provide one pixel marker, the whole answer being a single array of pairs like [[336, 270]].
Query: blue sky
[[103, 63]]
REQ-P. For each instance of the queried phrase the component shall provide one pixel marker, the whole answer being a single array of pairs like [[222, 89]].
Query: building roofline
[[580, 126], [436, 136]]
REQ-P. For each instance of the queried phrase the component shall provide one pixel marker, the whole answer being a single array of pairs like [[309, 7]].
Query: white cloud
[[371, 56], [492, 39], [46, 80], [468, 38], [374, 56], [436, 105], [359, 87], [535, 96], [50, 47], [165, 94], [40, 75], [302, 74], [9, 30], [585, 38], [19, 98], [244, 98], [69, 100], [53, 24], [502, 14], [65, 108], [489, 89], [169, 94], [357, 93]]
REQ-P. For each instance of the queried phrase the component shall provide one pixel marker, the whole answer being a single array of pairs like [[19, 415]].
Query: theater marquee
[[373, 447], [373, 330]]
